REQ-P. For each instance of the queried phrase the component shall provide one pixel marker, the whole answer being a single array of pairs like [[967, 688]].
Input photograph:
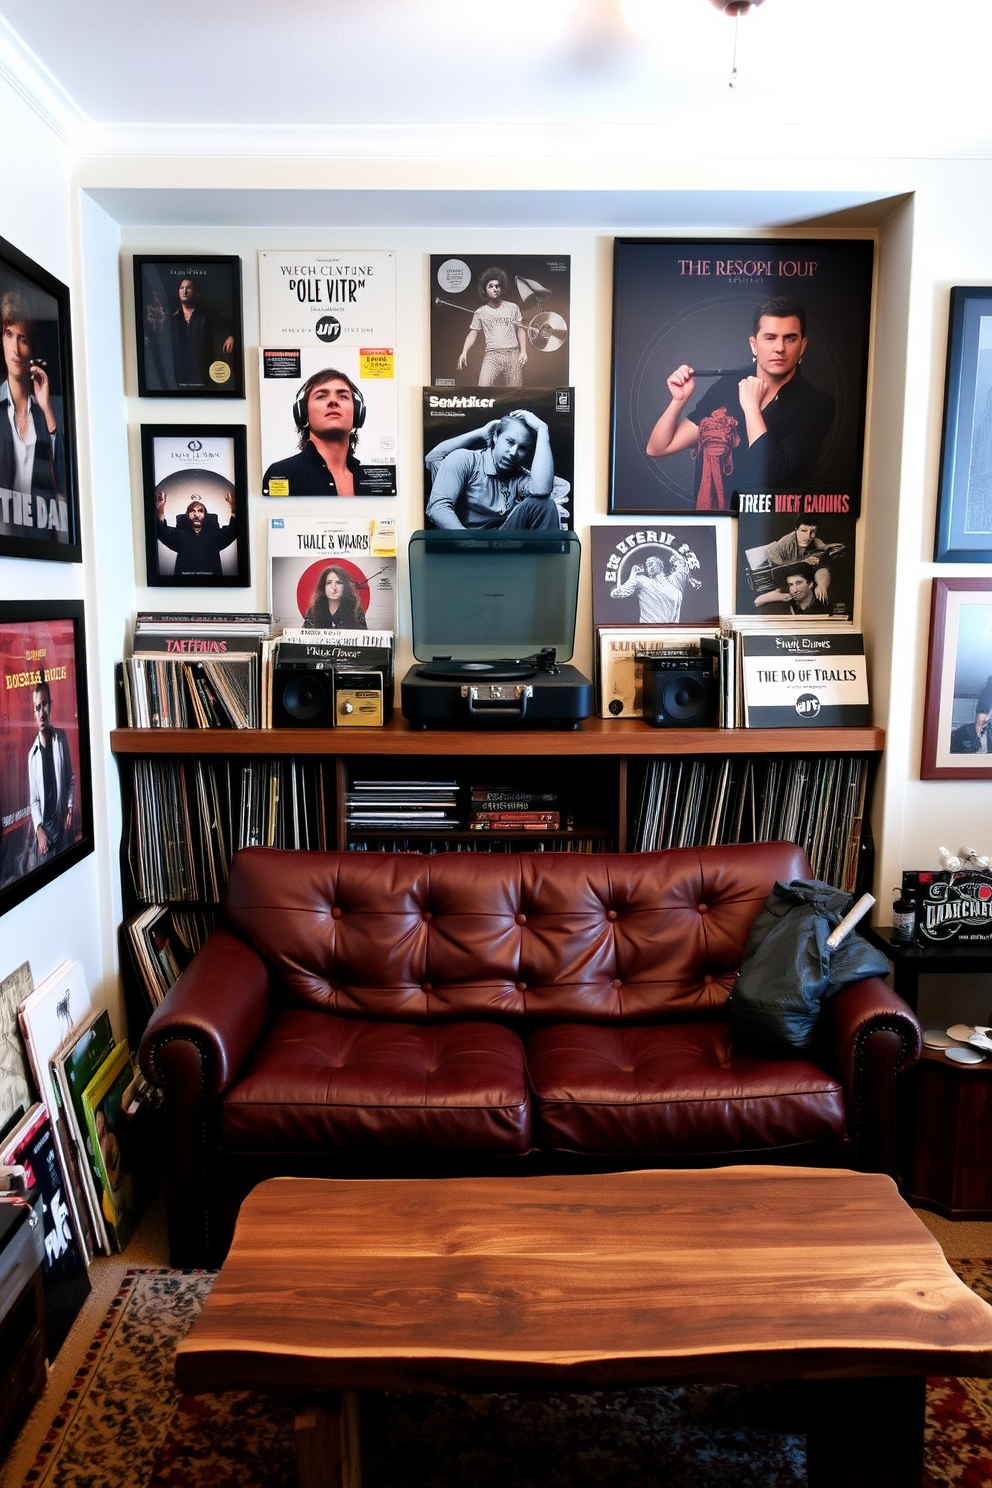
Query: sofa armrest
[[220, 1004], [868, 1036], [195, 1043]]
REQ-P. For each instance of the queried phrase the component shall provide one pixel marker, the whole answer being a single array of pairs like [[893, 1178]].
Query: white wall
[[64, 919]]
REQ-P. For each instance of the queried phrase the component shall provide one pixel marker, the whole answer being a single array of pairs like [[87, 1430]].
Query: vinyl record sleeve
[[657, 575], [301, 549], [536, 294], [817, 679], [775, 533], [460, 429]]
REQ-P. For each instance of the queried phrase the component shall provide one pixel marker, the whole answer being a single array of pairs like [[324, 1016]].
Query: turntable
[[492, 613]]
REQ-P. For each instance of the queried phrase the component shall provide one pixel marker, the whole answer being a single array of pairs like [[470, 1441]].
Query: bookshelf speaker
[[679, 693], [303, 695]]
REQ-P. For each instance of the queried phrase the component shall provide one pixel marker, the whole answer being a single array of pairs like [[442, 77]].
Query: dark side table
[[950, 1169]]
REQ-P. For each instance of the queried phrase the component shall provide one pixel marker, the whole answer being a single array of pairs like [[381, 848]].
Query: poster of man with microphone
[[738, 366]]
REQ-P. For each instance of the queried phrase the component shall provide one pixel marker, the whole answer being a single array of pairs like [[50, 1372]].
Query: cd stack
[[403, 805]]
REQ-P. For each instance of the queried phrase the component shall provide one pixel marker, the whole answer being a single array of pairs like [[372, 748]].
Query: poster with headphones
[[499, 319], [738, 365], [328, 407], [332, 573], [499, 458], [195, 479]]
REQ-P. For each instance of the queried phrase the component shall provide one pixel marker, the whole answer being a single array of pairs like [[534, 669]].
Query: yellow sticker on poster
[[375, 361]]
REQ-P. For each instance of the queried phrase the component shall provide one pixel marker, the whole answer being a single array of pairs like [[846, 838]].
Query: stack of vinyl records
[[809, 673], [403, 805], [193, 671], [163, 940]]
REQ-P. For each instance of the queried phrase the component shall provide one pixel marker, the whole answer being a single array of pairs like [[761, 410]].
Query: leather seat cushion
[[318, 1083], [677, 1088]]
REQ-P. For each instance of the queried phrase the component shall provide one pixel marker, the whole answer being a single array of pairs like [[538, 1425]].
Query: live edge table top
[[598, 1281]]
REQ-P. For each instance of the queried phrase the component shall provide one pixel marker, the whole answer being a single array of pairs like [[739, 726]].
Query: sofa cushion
[[318, 1083], [668, 1090], [541, 937]]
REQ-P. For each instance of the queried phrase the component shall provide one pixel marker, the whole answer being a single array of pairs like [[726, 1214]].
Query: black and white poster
[[196, 505], [738, 365], [792, 562], [499, 320], [656, 575], [327, 385], [499, 458], [818, 679]]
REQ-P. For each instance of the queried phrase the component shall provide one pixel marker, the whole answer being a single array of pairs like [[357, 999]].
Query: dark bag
[[788, 969]]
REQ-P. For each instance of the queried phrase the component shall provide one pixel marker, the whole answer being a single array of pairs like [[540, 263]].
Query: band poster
[[658, 575], [196, 504], [738, 366], [327, 387], [794, 564], [499, 319], [332, 573], [499, 459], [45, 806]]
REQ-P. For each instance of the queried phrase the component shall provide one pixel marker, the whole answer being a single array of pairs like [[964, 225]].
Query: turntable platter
[[502, 670]]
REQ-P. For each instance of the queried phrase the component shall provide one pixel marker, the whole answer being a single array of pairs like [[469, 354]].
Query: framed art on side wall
[[964, 494], [195, 479], [188, 326], [957, 728], [739, 365], [45, 794], [39, 514]]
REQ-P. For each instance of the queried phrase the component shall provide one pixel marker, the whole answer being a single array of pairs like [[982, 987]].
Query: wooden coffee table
[[593, 1282]]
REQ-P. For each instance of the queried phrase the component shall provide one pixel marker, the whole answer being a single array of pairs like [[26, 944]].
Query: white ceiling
[[845, 77]]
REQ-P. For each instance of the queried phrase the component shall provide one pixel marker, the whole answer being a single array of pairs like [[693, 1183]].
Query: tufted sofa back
[[607, 938]]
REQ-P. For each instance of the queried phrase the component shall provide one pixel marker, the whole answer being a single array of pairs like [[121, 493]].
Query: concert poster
[[45, 799], [480, 446], [654, 575], [499, 319], [695, 304], [792, 563]]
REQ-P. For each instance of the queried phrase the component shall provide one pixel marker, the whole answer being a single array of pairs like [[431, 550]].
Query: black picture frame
[[185, 462], [692, 301], [42, 523], [42, 637], [963, 532], [210, 370]]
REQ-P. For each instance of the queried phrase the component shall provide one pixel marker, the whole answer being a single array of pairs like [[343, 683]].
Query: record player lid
[[476, 595]]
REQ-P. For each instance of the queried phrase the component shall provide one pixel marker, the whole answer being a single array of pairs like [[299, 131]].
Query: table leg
[[866, 1433], [328, 1453]]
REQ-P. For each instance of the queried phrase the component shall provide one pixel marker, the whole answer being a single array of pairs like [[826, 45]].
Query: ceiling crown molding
[[40, 89]]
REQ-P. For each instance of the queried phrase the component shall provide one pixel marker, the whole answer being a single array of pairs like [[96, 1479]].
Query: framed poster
[[499, 320], [39, 514], [738, 366], [188, 326], [195, 479], [964, 492], [499, 458], [46, 804], [958, 719]]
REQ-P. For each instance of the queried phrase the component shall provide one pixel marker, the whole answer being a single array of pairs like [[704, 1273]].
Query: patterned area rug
[[122, 1424]]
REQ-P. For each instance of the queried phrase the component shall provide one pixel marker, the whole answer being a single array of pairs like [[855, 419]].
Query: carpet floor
[[123, 1425]]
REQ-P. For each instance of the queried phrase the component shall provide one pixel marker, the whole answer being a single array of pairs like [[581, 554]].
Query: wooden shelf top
[[595, 736]]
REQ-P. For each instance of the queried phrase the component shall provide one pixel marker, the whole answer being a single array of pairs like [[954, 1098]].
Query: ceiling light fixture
[[735, 8]]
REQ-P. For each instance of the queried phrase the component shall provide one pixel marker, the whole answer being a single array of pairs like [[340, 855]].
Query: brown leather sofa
[[394, 1014]]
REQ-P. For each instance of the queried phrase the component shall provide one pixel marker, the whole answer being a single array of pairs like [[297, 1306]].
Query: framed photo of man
[[188, 326], [45, 784], [195, 479], [957, 726], [39, 516], [738, 365], [964, 494]]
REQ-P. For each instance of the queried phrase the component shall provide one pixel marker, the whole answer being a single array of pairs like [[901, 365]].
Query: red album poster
[[41, 796]]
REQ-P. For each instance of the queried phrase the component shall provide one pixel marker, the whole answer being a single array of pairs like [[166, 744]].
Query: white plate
[[965, 1055]]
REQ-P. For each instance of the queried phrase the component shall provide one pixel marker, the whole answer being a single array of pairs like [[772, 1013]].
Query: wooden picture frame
[[47, 814], [39, 501], [957, 728], [694, 302], [183, 466], [190, 342], [963, 531]]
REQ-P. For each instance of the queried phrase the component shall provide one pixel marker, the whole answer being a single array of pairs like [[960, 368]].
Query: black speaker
[[303, 695], [680, 693]]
